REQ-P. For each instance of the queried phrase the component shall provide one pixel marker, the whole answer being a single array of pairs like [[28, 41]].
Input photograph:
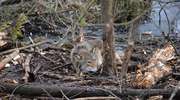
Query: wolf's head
[[86, 55]]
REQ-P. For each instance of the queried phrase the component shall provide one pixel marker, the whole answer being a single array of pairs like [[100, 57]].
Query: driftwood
[[54, 90]]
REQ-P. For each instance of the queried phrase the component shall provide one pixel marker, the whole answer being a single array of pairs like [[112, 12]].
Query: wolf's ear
[[98, 44], [79, 38]]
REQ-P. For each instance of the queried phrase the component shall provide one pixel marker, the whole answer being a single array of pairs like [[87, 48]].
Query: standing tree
[[109, 66]]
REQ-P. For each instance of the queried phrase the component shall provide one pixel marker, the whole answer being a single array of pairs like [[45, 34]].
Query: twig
[[110, 92], [98, 98], [162, 8], [37, 69], [25, 47], [46, 91], [15, 90], [128, 53], [26, 67], [49, 59], [175, 91], [63, 93], [36, 90], [57, 76], [55, 68]]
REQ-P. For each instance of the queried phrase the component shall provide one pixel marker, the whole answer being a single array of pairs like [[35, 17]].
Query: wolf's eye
[[81, 57], [80, 47], [88, 61], [78, 57]]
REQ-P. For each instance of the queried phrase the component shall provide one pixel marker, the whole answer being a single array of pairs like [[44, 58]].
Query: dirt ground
[[52, 66]]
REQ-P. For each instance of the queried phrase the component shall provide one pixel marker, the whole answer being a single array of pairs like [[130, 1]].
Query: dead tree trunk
[[108, 38]]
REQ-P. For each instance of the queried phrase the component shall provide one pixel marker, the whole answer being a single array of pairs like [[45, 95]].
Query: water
[[173, 14]]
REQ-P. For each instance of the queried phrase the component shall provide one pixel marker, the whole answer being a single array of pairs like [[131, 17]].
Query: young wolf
[[86, 55]]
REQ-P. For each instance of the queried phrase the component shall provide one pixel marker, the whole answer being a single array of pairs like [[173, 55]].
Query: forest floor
[[50, 65], [40, 66]]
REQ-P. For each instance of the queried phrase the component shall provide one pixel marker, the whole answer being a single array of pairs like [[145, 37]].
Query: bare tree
[[109, 67]]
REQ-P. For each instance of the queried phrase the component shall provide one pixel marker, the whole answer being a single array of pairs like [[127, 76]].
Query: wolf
[[87, 55]]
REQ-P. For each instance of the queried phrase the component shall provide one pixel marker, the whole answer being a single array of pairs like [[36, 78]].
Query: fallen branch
[[25, 47], [54, 90]]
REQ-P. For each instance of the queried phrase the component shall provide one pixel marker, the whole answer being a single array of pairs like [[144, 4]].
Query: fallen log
[[157, 67], [73, 92]]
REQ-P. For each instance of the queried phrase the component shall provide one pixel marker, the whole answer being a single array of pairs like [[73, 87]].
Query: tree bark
[[108, 38]]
